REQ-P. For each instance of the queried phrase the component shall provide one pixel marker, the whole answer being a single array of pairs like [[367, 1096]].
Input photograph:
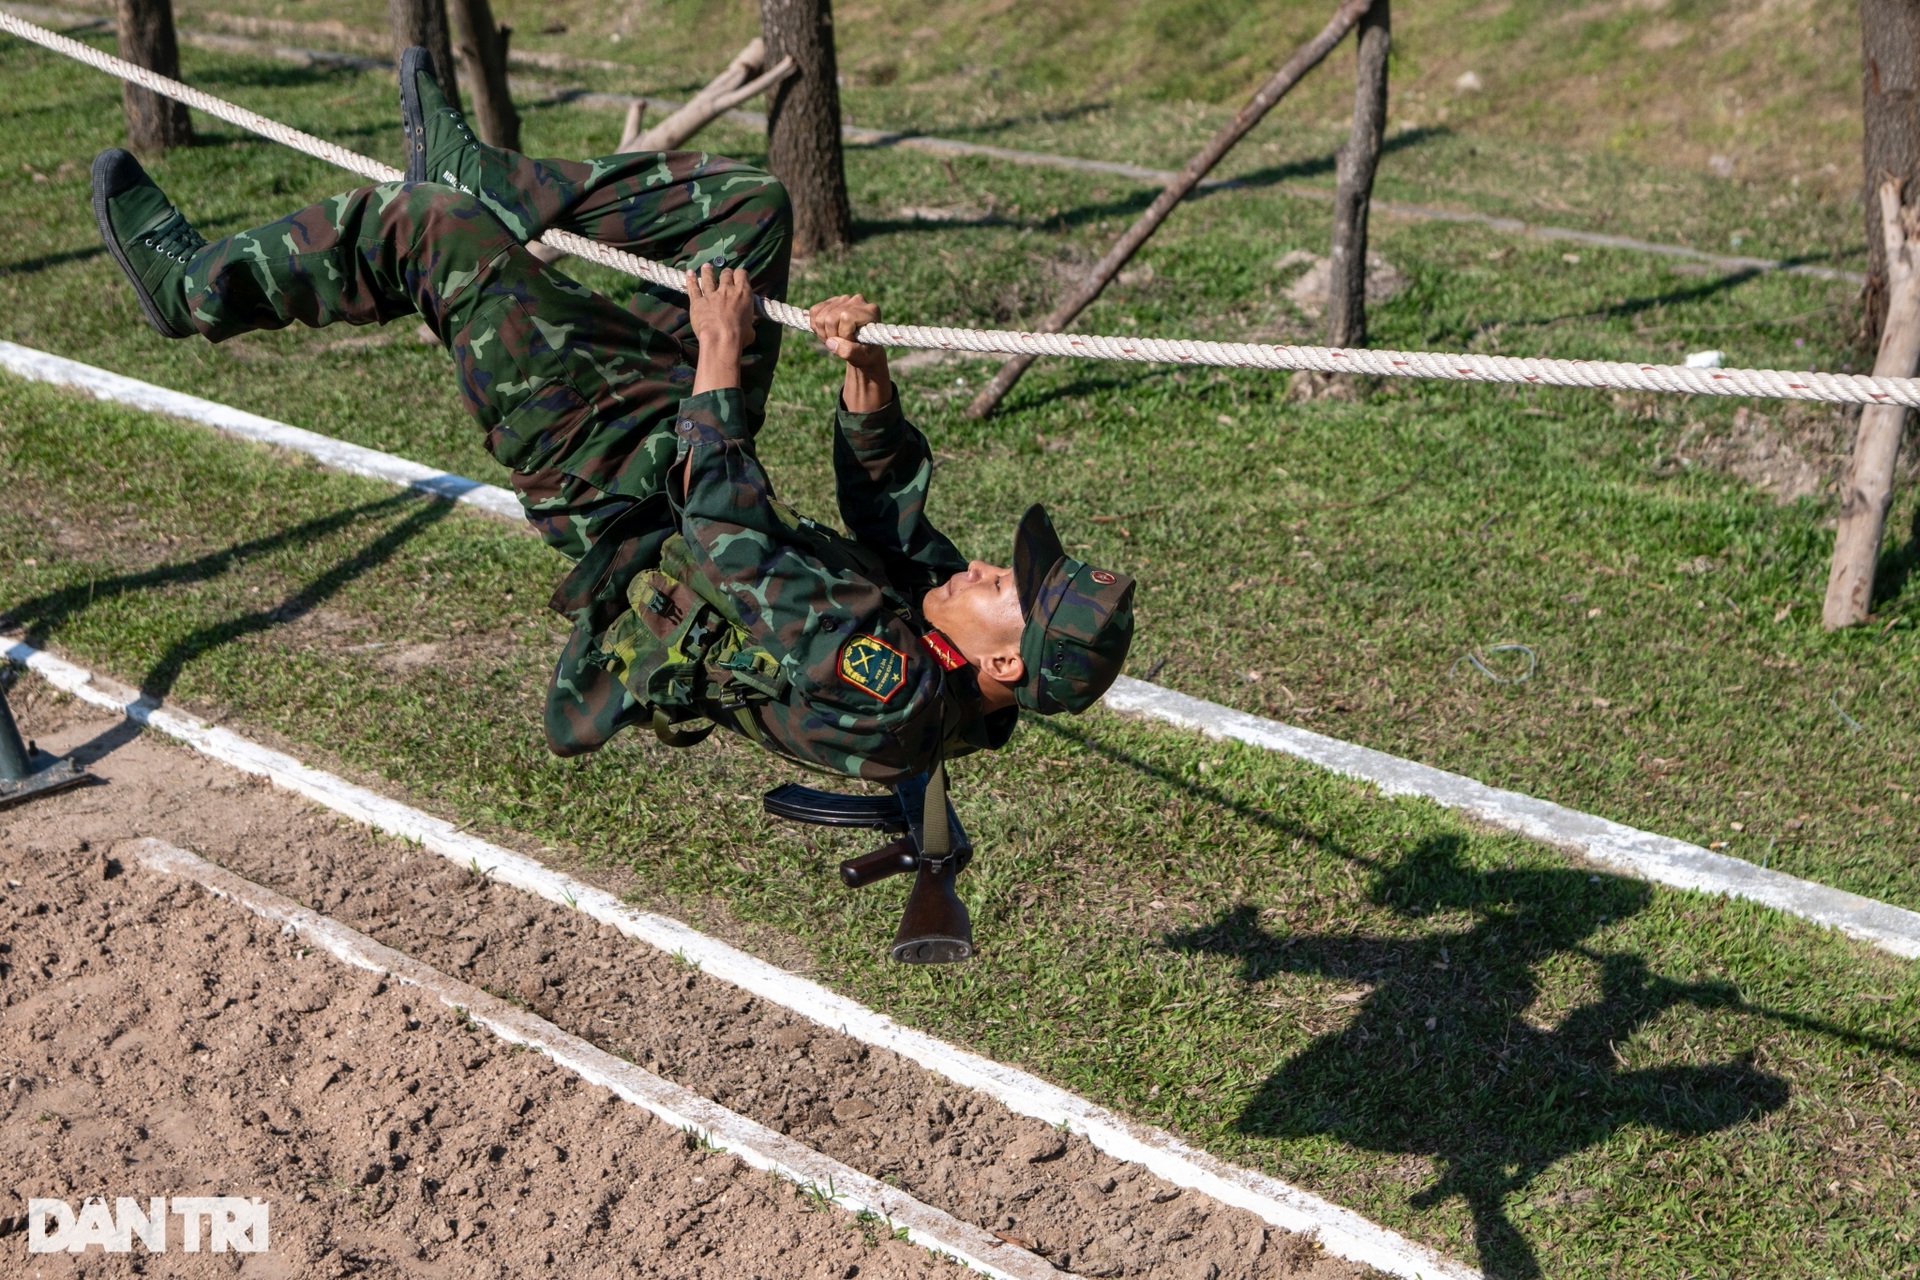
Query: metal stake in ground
[[25, 772], [1305, 58]]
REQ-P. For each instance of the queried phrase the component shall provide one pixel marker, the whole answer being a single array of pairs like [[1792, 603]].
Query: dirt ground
[[117, 1027]]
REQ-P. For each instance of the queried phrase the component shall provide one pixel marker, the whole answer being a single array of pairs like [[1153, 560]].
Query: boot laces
[[175, 238]]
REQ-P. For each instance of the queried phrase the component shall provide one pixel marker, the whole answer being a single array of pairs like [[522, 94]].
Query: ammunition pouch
[[682, 651]]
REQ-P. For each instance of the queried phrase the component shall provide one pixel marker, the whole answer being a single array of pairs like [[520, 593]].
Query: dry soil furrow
[[155, 1041]]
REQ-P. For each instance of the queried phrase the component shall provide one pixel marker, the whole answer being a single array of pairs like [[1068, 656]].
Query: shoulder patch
[[870, 663]]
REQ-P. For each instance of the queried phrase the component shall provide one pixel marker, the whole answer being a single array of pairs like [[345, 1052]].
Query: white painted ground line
[[338, 454], [1661, 859], [1339, 1230], [750, 1141]]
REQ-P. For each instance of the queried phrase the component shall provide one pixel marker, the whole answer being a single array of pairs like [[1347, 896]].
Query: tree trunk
[[424, 22], [1304, 59], [482, 48], [147, 40], [1876, 448], [1353, 187], [803, 124], [1890, 110]]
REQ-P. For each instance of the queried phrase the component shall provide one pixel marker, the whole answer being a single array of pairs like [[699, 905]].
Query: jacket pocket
[[540, 427]]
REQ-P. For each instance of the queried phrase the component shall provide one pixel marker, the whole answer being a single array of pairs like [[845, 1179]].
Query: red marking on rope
[[1336, 355], [1533, 377], [1878, 395], [1400, 364], [1719, 377], [1797, 386]]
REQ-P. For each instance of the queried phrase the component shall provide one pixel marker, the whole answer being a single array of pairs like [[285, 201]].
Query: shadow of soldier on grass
[[1439, 1060], [384, 526]]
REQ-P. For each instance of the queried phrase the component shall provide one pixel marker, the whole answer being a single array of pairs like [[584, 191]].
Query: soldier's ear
[[1004, 667]]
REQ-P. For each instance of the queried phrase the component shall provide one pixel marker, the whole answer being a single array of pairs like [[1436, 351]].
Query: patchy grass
[[1455, 1033], [1772, 87], [1540, 1067], [1598, 116]]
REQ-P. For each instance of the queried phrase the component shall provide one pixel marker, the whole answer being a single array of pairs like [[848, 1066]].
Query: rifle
[[935, 927]]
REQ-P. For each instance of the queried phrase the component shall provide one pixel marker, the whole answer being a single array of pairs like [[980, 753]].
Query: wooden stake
[[482, 49], [1305, 59], [1353, 187], [1869, 485], [147, 39]]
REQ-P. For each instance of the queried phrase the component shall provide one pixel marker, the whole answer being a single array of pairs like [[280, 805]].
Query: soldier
[[695, 596]]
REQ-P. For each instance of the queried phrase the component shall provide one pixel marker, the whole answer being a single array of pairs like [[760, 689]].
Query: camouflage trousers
[[576, 393]]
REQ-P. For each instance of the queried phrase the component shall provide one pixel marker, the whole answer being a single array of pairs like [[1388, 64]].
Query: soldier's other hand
[[836, 320], [720, 307]]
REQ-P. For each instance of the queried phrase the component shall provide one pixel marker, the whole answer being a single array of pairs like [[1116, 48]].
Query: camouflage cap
[[1079, 621]]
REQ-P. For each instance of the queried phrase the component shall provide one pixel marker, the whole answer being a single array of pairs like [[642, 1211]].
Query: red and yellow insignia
[[949, 658], [870, 663]]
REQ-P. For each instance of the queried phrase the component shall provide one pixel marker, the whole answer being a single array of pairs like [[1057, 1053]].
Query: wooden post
[[1876, 448], [424, 22], [803, 124], [1890, 114], [482, 49], [147, 40], [1353, 186], [1304, 59], [740, 81]]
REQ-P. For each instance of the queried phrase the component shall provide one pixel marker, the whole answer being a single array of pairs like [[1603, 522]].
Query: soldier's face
[[979, 610]]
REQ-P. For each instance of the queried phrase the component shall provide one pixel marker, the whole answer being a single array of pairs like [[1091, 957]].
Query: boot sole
[[413, 121], [112, 240]]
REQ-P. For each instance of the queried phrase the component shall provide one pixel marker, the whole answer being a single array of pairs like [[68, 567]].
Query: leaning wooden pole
[[1353, 183], [1868, 491], [742, 80], [1305, 58]]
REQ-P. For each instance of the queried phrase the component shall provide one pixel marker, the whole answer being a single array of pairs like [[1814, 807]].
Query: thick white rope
[[1779, 384]]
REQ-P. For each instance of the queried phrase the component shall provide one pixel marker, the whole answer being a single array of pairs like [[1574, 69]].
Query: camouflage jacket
[[860, 690]]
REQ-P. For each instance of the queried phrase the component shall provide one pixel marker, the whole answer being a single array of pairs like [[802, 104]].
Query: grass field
[[1457, 1034], [1772, 87]]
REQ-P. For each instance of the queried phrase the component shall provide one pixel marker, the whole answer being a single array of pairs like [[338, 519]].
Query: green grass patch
[[1456, 1033], [1774, 89]]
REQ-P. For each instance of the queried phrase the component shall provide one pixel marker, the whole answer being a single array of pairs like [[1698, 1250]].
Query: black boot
[[151, 239], [441, 147]]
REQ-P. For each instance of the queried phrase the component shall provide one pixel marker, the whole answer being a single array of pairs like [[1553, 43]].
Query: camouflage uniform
[[725, 605]]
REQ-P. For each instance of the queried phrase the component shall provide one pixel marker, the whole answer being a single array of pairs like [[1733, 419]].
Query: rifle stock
[[935, 927]]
